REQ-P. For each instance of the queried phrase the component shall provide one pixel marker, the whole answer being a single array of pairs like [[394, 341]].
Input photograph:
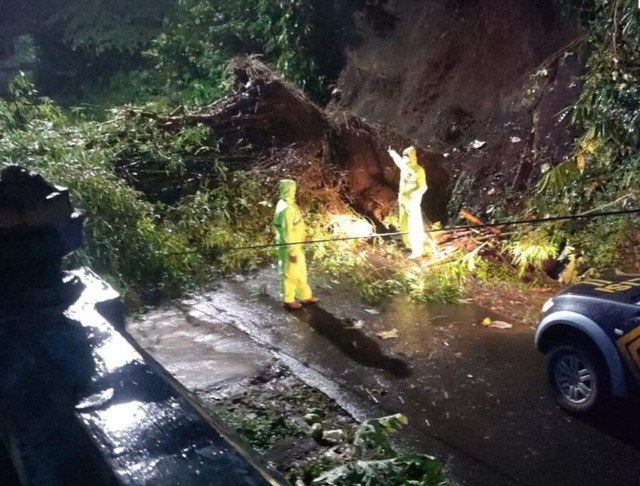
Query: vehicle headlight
[[547, 305]]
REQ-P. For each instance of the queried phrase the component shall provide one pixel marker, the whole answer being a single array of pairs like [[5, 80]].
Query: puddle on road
[[202, 352]]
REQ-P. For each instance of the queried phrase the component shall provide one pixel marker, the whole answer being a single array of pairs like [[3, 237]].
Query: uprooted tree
[[268, 124]]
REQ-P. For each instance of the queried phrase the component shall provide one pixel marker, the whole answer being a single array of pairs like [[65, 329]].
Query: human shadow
[[352, 342]]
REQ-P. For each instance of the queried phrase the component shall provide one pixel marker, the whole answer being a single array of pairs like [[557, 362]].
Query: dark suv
[[590, 336]]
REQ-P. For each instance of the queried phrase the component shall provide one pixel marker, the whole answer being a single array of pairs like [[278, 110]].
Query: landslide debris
[[267, 124]]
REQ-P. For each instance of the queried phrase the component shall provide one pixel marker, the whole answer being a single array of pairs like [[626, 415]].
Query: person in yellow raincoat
[[413, 184], [292, 266]]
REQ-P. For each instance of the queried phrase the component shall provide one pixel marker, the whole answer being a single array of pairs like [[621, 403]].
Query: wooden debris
[[474, 219]]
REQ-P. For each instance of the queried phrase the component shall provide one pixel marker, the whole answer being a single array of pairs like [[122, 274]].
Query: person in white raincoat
[[413, 184]]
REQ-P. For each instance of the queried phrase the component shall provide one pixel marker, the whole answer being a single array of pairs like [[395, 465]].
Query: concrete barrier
[[81, 403]]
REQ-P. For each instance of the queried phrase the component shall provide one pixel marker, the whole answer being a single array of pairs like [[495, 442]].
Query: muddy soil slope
[[446, 73]]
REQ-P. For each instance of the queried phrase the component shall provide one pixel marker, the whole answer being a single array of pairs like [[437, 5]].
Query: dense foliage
[[147, 249], [609, 106], [110, 52], [604, 172], [80, 45], [373, 460], [301, 39]]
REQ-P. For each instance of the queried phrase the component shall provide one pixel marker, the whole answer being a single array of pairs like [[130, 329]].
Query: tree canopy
[[181, 46]]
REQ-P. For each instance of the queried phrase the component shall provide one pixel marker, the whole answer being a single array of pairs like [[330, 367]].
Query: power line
[[431, 230], [542, 220]]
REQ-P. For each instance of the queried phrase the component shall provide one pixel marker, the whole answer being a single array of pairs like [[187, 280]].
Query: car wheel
[[578, 378]]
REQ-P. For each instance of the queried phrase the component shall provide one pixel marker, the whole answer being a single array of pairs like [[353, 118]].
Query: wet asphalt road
[[474, 396]]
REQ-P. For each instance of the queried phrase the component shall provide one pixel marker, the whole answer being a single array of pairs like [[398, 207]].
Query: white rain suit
[[413, 184]]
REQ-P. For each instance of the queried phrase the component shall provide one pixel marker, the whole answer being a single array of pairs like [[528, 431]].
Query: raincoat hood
[[287, 189], [411, 153]]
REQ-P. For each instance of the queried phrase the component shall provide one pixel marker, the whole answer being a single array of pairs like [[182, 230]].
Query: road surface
[[474, 396]]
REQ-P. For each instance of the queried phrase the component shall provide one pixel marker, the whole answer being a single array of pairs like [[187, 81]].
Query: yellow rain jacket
[[290, 228]]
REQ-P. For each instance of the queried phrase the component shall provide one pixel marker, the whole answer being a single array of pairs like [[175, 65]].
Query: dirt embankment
[[446, 73]]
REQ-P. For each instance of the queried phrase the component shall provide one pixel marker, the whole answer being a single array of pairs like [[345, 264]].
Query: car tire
[[578, 378]]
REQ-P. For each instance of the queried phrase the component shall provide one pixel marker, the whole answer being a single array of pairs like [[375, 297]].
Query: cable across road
[[443, 230]]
